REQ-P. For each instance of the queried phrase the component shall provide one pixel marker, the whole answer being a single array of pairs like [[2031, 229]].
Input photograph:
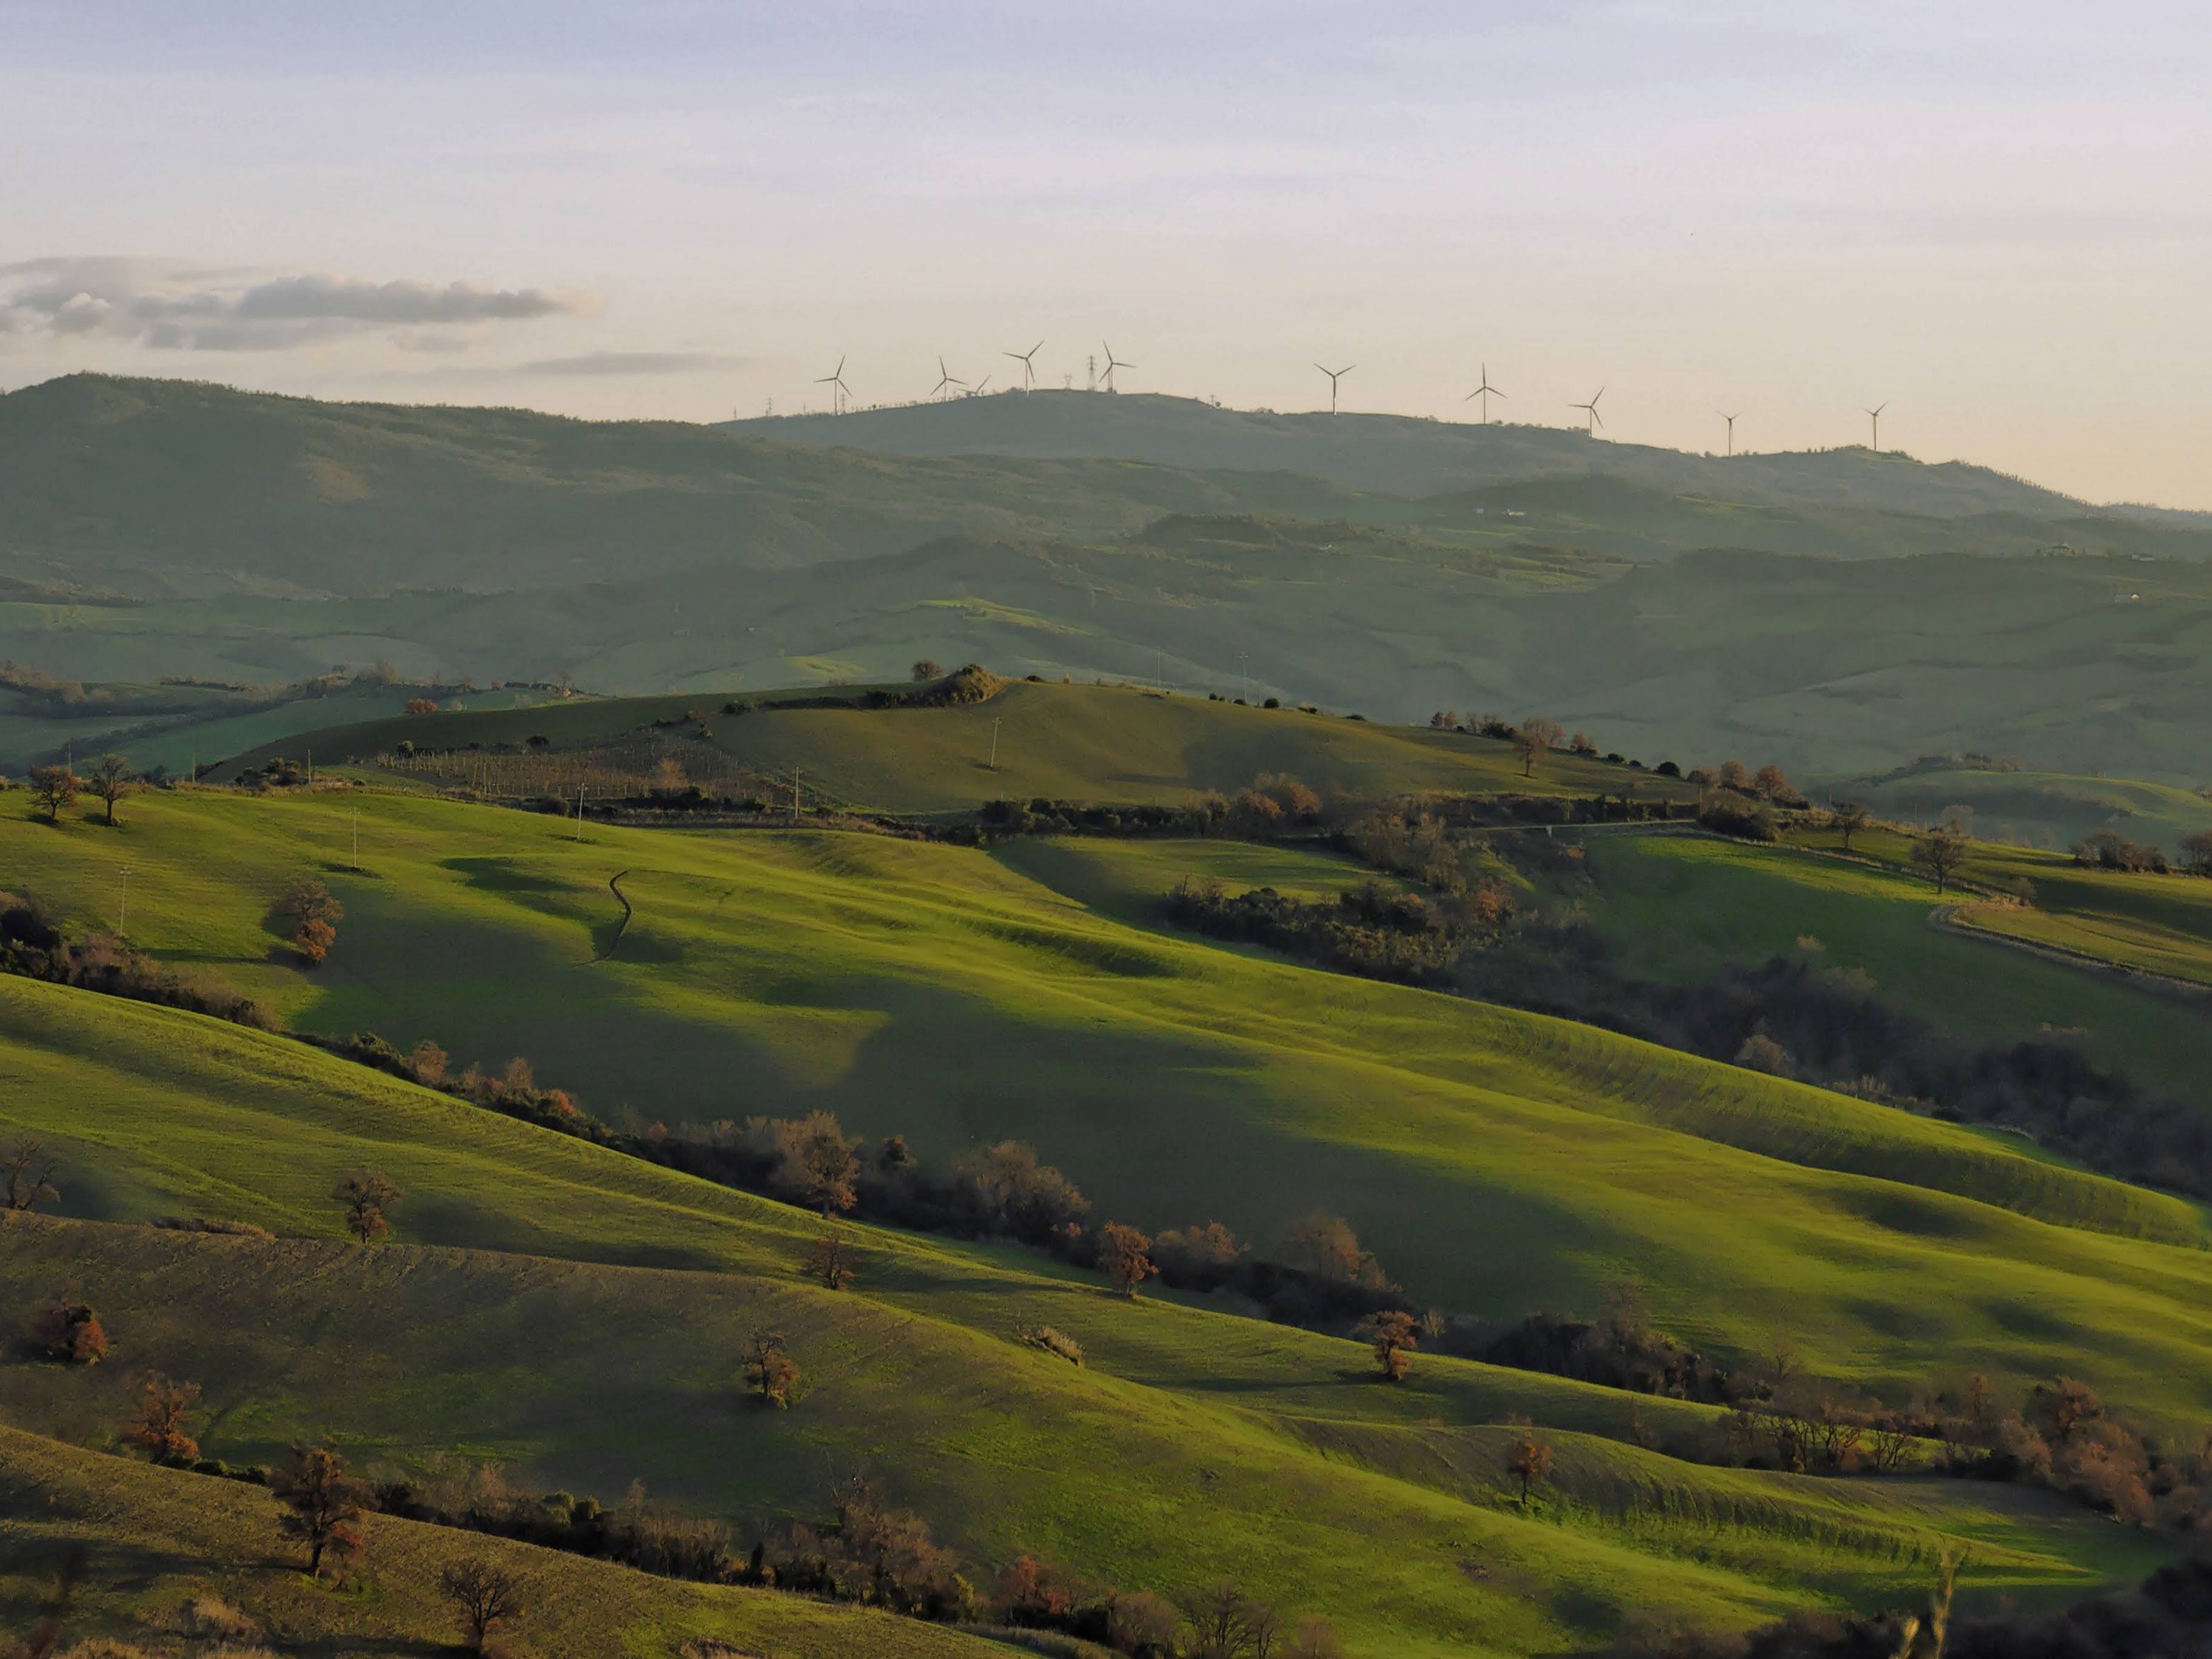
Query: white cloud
[[178, 308]]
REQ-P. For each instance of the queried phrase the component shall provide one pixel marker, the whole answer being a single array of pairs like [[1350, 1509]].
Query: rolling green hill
[[165, 489], [2038, 809], [1678, 908], [1105, 743], [173, 1539], [579, 1314], [155, 528], [1498, 1162]]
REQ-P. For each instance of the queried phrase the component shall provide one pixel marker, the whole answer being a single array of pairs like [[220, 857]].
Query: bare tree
[[54, 787], [366, 1195], [2196, 853], [1939, 852], [111, 781], [1533, 738], [488, 1596], [26, 1174], [1849, 818], [830, 1263]]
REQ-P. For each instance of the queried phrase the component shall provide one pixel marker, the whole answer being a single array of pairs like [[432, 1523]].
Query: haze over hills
[[1398, 454], [167, 529]]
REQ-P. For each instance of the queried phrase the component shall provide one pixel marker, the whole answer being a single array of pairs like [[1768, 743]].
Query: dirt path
[[614, 885]]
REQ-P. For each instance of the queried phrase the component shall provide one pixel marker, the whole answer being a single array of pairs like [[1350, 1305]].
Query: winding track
[[614, 885]]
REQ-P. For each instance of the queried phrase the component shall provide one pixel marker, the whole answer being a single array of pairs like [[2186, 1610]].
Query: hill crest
[[1398, 454]]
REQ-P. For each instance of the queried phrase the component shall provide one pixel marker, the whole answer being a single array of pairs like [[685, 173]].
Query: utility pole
[[1160, 676], [794, 794], [311, 766], [122, 905], [1244, 665], [579, 810], [995, 744]]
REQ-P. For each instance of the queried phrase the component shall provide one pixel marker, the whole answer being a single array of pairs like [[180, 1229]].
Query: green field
[[1679, 909], [2036, 809], [1114, 744], [173, 1538], [933, 992], [577, 1316]]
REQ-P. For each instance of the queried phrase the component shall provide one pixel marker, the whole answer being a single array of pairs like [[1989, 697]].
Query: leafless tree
[[488, 1596], [111, 781], [26, 1174]]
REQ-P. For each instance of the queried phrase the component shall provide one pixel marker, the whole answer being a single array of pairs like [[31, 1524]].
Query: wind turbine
[[1113, 363], [1334, 375], [1486, 392], [1589, 408], [1874, 415], [838, 390], [944, 380], [1731, 420], [976, 390], [1026, 360]]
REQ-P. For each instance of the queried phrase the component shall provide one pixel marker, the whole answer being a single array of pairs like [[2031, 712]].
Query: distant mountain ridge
[[1400, 455]]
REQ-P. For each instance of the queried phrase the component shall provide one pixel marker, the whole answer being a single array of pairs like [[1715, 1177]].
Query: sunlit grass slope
[[1498, 1161], [1091, 743], [157, 1539], [2155, 924], [1194, 1444], [2049, 809], [1680, 907]]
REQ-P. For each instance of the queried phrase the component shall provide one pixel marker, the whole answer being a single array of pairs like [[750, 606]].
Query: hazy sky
[[1997, 216]]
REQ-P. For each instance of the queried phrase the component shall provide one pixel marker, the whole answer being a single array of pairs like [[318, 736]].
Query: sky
[[1995, 218]]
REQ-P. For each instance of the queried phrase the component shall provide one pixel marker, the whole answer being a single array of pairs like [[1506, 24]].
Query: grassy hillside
[[1679, 909], [270, 538], [2151, 924], [1832, 667], [1107, 744], [166, 489], [1395, 454], [608, 1354], [2036, 809], [1498, 1162], [160, 1540]]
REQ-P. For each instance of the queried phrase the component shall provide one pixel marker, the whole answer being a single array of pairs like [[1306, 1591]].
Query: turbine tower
[[839, 391], [1874, 415], [1731, 420], [1112, 363], [1027, 360], [1336, 374], [944, 380], [1589, 408], [1486, 392]]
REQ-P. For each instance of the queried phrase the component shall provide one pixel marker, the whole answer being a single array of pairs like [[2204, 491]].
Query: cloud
[[634, 362], [178, 308]]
